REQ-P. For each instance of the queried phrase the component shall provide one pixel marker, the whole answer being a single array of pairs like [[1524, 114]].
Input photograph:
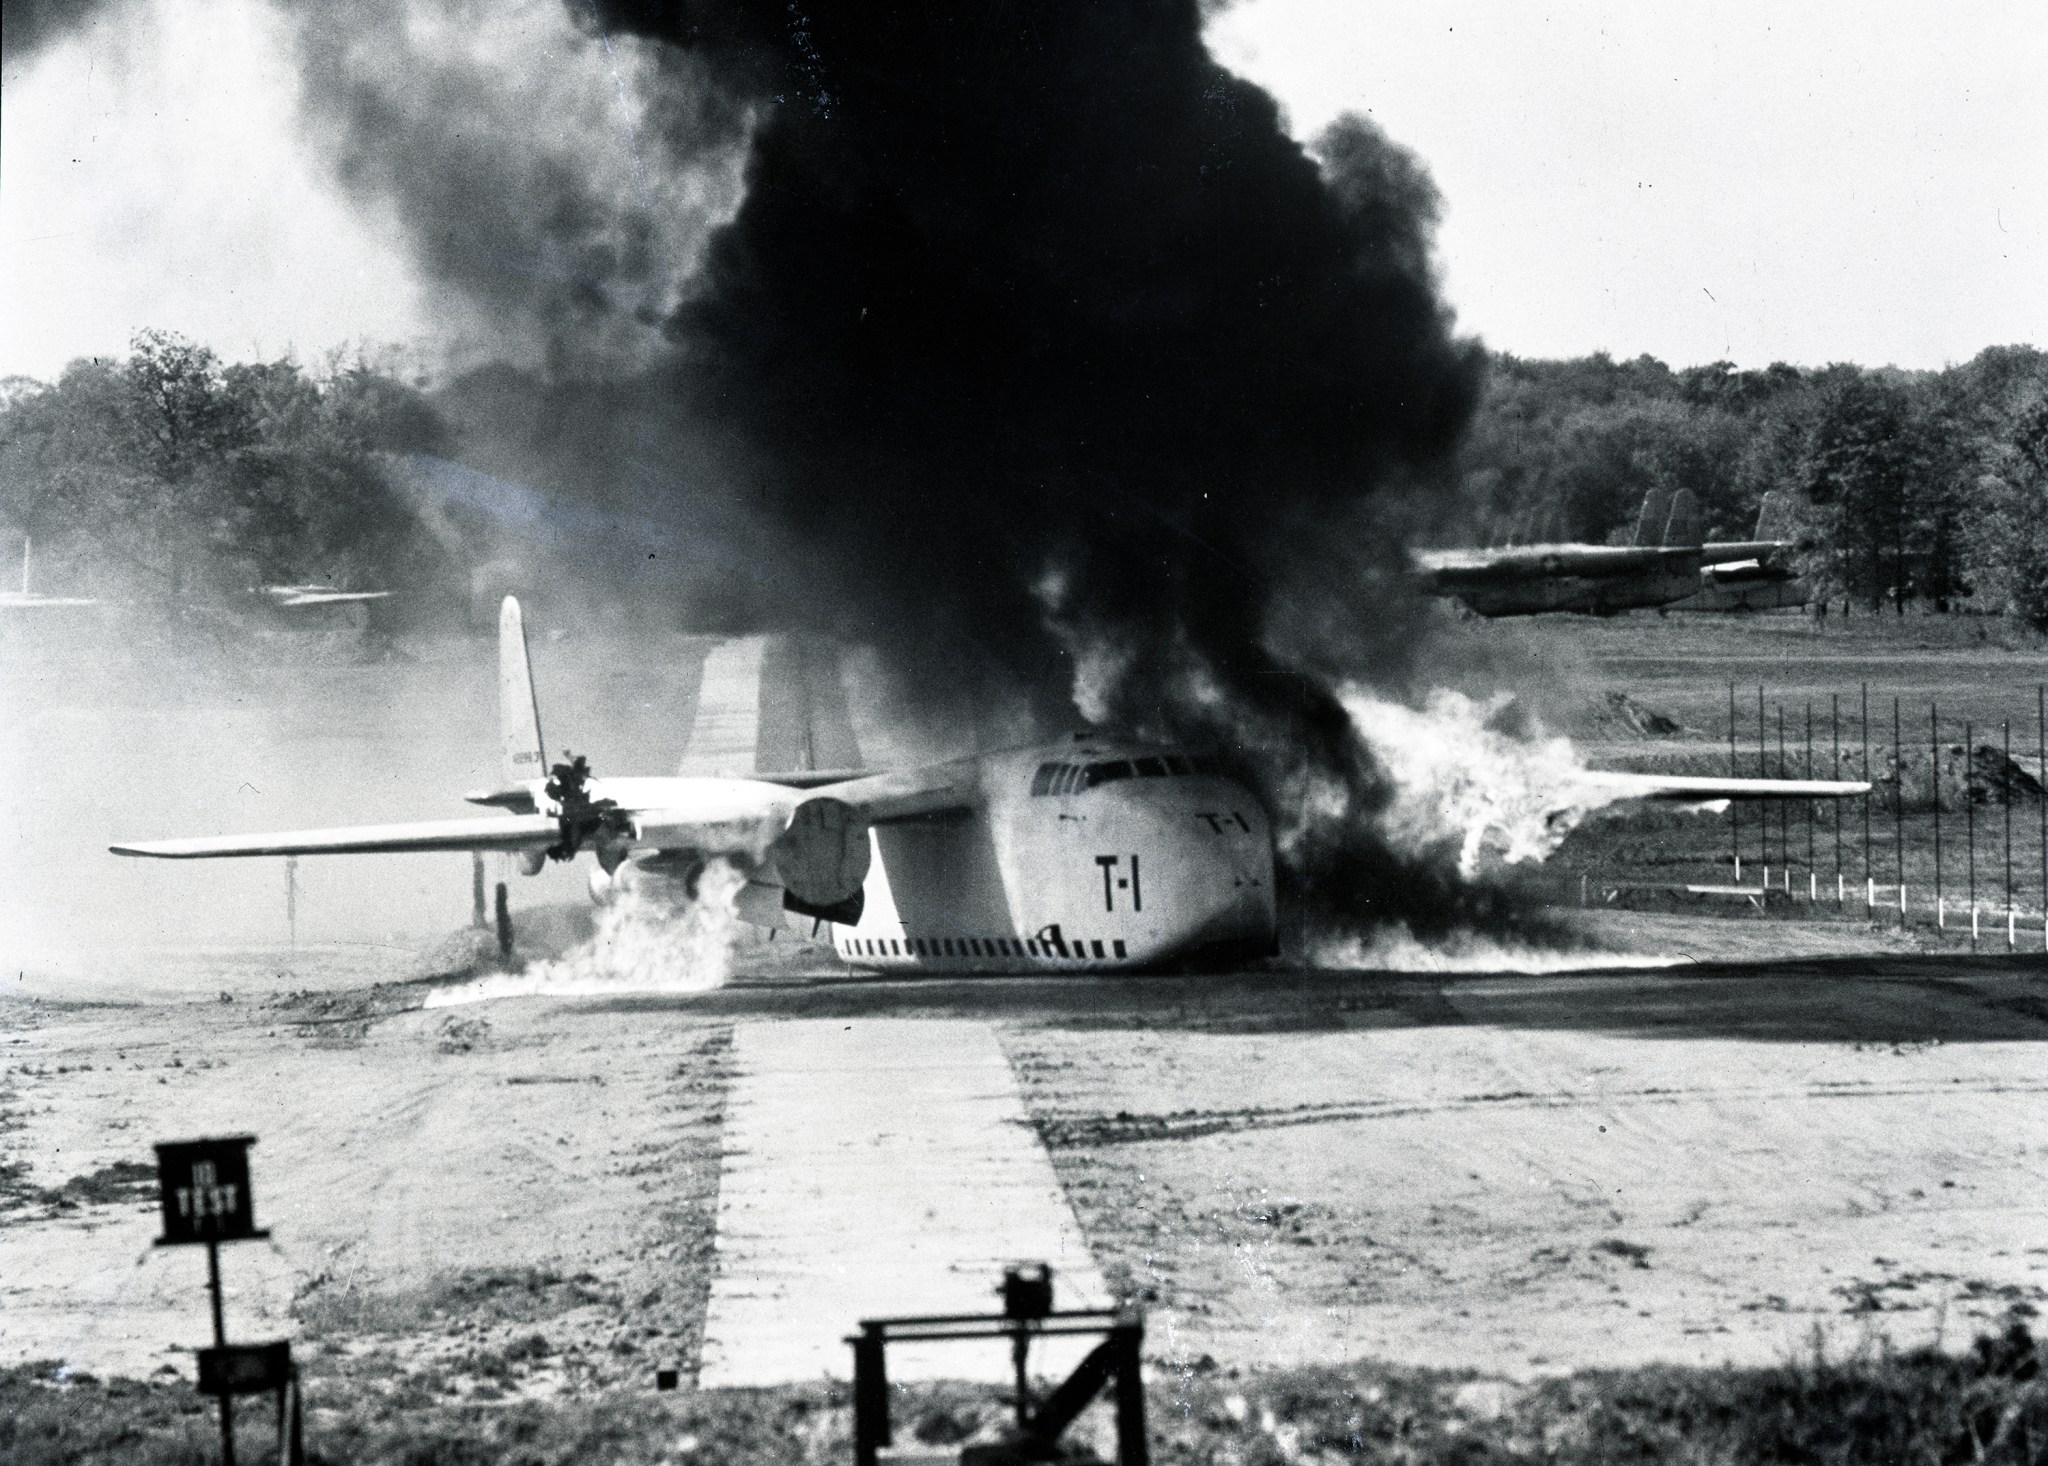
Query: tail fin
[[1683, 527], [1774, 517], [525, 756], [771, 704], [1650, 523]]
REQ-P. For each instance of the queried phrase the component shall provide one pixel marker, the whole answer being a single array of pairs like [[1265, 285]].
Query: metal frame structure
[[1115, 1361]]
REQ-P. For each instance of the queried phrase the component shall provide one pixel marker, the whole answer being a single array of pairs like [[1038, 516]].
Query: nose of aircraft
[[1211, 880]]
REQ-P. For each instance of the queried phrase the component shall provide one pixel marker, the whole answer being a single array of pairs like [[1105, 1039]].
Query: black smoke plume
[[1042, 359]]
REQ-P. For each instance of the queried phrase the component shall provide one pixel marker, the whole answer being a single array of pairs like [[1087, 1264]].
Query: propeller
[[581, 816]]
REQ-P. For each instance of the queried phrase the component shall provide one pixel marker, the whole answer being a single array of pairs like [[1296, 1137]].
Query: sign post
[[203, 1192]]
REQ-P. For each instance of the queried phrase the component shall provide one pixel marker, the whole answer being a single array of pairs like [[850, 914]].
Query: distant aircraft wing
[[1452, 568], [330, 597], [517, 832], [17, 601], [1688, 789]]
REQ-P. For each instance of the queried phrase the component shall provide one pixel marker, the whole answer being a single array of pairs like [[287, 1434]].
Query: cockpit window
[[1066, 778]]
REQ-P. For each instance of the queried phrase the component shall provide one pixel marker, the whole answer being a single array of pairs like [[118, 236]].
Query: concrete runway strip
[[878, 1167]]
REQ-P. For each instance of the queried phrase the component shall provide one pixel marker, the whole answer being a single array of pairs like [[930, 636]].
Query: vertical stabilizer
[[1682, 529], [771, 704], [525, 757], [1655, 512], [1774, 517]]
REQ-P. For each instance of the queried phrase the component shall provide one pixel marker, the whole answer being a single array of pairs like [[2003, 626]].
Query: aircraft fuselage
[[1086, 855]]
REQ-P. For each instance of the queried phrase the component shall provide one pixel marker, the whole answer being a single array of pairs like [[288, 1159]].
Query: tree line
[[1929, 486], [171, 473]]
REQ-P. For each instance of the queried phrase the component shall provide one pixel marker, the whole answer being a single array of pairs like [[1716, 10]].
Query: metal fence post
[[2005, 779], [1934, 788], [1735, 806], [1970, 819], [1899, 805], [1132, 1449], [1810, 867], [1835, 720], [1864, 725], [870, 1397]]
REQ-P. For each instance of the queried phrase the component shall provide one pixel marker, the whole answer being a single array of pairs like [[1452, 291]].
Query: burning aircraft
[[1093, 852]]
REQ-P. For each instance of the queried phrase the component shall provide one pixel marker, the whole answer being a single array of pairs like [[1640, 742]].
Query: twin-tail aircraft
[[1669, 565], [1094, 853]]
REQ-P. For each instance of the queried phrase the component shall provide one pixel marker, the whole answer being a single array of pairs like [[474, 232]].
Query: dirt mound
[[1626, 712], [1992, 777]]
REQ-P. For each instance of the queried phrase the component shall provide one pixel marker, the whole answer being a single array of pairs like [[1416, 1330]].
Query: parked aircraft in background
[[1091, 852], [281, 597], [287, 596], [26, 598], [1662, 566], [1752, 575], [1669, 565]]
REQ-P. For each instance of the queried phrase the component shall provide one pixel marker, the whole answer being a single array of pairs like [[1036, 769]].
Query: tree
[[1867, 457], [173, 473]]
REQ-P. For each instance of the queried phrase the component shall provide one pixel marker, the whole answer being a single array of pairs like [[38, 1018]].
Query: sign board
[[204, 1190], [245, 1369]]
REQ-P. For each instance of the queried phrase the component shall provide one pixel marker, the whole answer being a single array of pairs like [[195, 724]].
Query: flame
[[645, 942], [1396, 949], [1458, 779]]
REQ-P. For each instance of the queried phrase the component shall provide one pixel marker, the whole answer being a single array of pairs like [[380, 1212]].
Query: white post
[[1838, 888], [1812, 886], [1973, 923], [1941, 913], [2011, 930], [1869, 894], [1738, 870], [1767, 878], [1582, 888], [1902, 901], [291, 898]]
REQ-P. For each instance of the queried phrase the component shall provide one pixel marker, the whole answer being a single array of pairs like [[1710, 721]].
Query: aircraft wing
[[1460, 567], [931, 792], [1689, 789], [330, 597], [517, 832]]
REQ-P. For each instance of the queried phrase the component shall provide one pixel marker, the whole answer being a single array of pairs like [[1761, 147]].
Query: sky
[[1746, 181]]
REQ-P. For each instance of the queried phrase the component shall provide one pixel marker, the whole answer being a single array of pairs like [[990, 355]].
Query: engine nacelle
[[822, 857]]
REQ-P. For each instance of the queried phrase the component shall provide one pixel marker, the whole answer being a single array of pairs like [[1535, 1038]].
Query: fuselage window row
[[1062, 778]]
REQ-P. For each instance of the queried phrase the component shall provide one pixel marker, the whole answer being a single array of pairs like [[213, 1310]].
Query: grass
[[1680, 667], [1988, 1404], [483, 1296]]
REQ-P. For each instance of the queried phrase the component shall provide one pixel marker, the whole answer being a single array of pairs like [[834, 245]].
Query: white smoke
[[646, 941], [1459, 779]]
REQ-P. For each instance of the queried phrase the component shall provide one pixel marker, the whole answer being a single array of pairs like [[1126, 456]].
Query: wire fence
[[1953, 834]]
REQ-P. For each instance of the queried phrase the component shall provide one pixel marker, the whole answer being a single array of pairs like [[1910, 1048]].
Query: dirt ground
[[512, 1198], [1521, 1174]]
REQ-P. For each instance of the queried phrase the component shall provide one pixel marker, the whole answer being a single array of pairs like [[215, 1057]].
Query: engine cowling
[[822, 856]]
